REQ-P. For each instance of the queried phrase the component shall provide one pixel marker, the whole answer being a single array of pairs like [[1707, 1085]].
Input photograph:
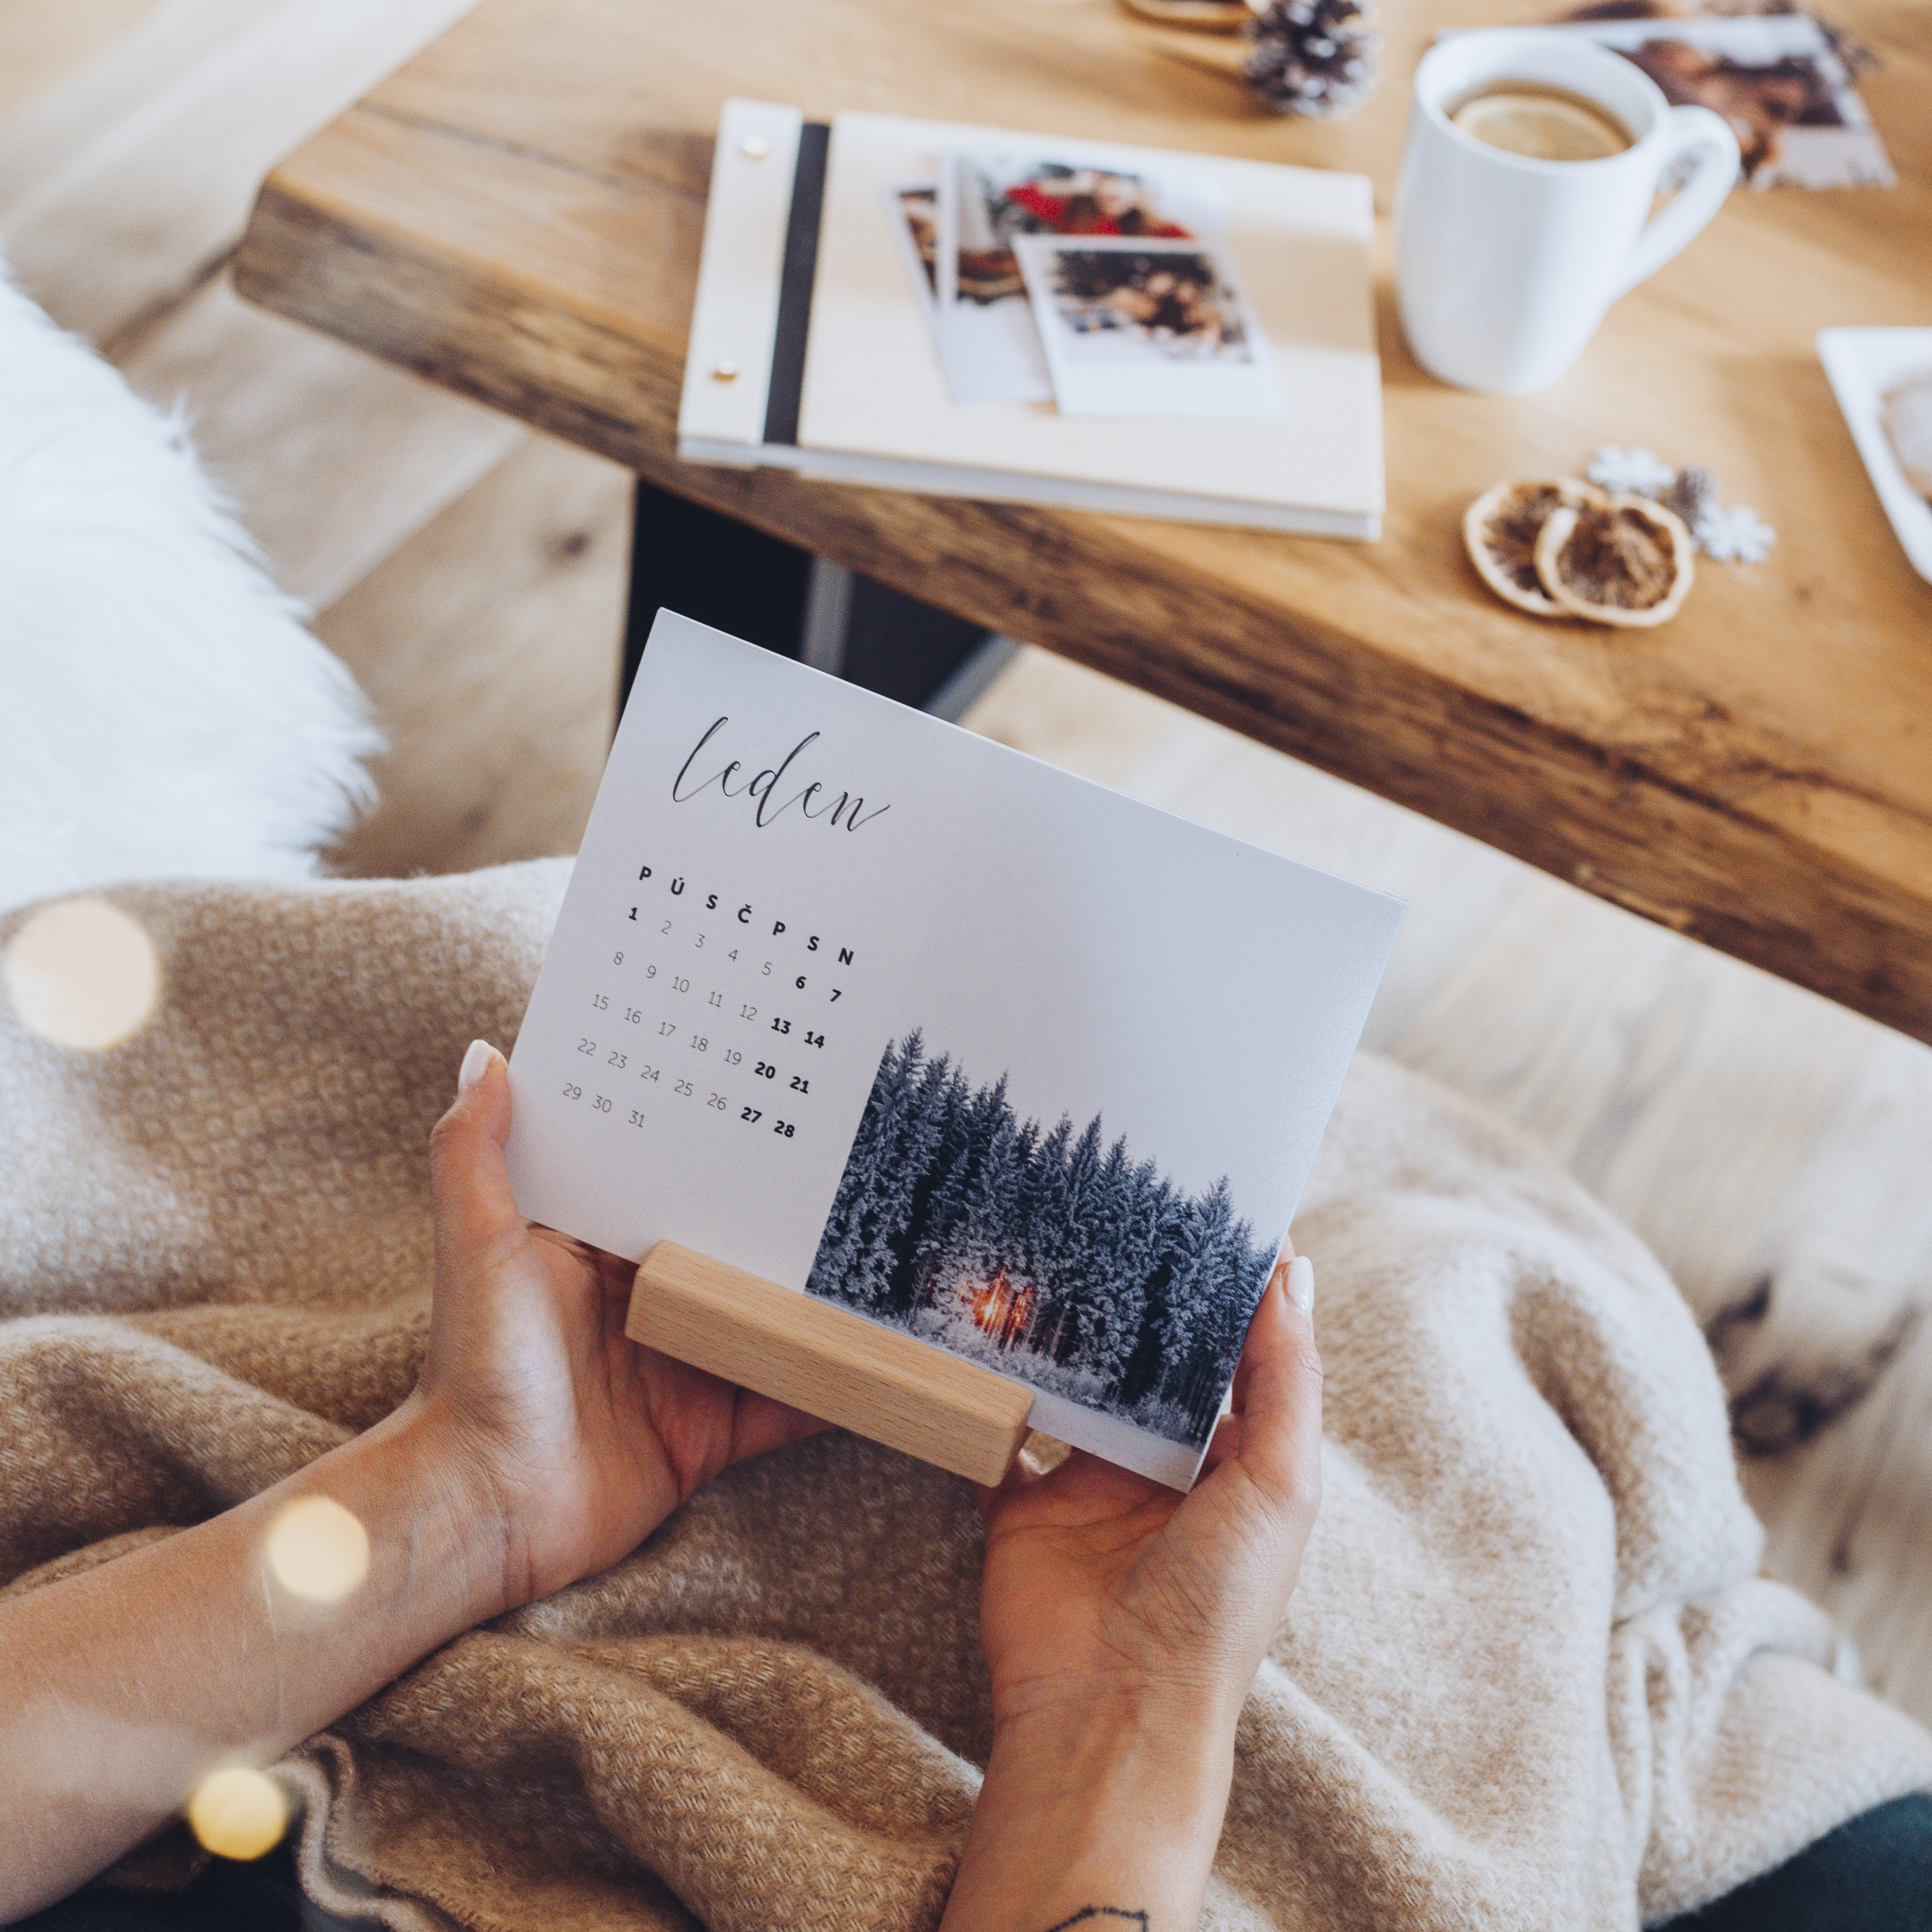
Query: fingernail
[[476, 1064], [1301, 1284]]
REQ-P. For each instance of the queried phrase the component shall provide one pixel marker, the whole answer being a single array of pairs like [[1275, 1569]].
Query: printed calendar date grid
[[674, 935]]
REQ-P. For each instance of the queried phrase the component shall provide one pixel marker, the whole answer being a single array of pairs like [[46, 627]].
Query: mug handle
[[1698, 131]]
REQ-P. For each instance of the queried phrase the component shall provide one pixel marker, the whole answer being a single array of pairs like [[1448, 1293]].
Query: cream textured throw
[[1530, 1677]]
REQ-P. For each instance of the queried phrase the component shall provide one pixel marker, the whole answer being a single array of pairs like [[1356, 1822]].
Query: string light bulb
[[238, 1813], [82, 973], [318, 1550]]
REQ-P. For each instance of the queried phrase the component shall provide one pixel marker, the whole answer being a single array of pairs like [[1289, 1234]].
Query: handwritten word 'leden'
[[816, 801]]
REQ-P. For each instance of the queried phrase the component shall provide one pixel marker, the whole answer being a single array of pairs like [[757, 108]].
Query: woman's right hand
[[1101, 1584], [1123, 1624]]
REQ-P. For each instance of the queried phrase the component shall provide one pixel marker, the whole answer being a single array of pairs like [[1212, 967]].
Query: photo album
[[976, 312], [883, 1013]]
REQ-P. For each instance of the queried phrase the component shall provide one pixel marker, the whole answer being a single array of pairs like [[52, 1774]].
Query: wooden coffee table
[[517, 213]]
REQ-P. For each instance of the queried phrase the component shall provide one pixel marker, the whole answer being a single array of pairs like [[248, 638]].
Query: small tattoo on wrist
[[1088, 1914]]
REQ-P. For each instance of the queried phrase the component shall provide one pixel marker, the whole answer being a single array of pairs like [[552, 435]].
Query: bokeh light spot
[[81, 973], [318, 1550], [238, 1813]]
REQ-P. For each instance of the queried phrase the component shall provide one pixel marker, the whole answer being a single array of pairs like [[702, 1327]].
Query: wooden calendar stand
[[873, 1381]]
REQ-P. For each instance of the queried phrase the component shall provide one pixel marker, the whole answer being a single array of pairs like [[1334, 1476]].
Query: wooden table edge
[[1827, 926]]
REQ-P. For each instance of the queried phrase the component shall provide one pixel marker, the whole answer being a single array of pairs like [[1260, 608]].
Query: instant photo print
[[1147, 328], [1776, 78], [990, 339]]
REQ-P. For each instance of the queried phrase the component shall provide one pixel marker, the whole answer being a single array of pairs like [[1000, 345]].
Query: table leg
[[691, 560]]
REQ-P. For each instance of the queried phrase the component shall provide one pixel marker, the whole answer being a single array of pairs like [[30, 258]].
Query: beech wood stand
[[804, 1351]]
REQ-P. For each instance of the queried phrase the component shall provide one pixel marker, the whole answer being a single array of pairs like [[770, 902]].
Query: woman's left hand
[[580, 1441]]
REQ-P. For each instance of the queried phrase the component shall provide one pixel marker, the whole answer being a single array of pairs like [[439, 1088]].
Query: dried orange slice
[[1500, 528], [1625, 562]]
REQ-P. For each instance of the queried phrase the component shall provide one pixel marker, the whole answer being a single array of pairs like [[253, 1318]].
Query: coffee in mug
[[1548, 124]]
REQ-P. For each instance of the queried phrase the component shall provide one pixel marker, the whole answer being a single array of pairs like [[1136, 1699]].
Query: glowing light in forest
[[999, 1308], [318, 1550], [81, 974], [237, 1812]]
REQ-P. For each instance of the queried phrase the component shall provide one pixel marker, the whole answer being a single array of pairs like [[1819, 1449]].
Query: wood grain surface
[[829, 1363], [516, 214]]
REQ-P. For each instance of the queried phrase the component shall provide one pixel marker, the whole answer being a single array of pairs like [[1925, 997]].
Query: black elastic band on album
[[795, 282]]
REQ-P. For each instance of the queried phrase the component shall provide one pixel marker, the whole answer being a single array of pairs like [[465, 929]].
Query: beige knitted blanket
[[1531, 1676]]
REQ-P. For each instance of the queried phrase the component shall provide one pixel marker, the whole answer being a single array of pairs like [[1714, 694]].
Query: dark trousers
[[1872, 1875]]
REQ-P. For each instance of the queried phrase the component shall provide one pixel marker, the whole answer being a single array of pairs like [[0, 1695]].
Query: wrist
[[443, 1526], [1122, 1704], [1113, 1802], [1182, 1744]]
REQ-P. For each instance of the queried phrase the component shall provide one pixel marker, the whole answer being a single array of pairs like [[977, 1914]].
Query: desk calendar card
[[887, 1013]]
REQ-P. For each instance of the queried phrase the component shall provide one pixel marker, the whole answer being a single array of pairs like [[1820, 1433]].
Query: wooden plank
[[829, 1363], [182, 117], [517, 215], [41, 46], [489, 645], [336, 460], [1850, 1518], [83, 107]]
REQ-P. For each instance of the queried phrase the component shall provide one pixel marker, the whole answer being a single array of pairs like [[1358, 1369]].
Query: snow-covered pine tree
[[1233, 1280], [1192, 1328], [1181, 1313], [947, 1249], [1120, 1263], [838, 1243], [912, 1174], [983, 1242], [1161, 1214], [958, 1149], [1101, 1297], [854, 1264], [889, 1197], [1042, 1211]]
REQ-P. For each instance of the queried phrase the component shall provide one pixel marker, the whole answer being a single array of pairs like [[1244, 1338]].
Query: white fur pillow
[[162, 712]]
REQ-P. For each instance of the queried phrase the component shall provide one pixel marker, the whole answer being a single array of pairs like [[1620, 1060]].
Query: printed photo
[[1053, 1255], [1000, 199], [1155, 328], [1780, 79], [913, 207], [989, 342]]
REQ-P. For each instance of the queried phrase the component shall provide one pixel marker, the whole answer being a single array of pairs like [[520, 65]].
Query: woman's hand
[[1123, 1625], [573, 1439], [1101, 1585], [539, 1446]]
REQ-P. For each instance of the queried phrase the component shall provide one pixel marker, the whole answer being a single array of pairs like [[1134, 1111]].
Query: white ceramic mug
[[1505, 264]]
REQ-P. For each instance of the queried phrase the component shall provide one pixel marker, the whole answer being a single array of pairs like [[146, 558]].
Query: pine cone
[[1313, 56]]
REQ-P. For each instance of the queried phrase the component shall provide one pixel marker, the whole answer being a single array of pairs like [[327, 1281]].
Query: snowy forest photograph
[[1048, 1254]]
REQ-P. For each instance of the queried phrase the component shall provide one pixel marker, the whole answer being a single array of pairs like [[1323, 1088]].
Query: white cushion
[[162, 712]]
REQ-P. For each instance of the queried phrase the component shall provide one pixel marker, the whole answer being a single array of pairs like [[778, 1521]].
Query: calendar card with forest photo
[[887, 1013]]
